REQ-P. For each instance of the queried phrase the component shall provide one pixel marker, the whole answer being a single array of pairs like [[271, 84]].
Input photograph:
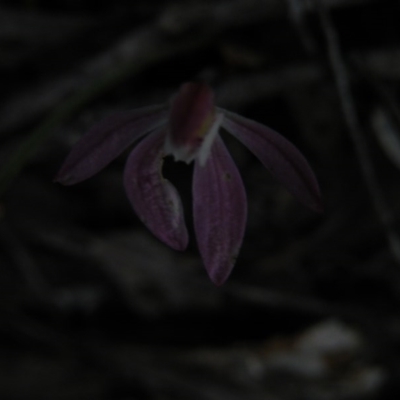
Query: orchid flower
[[187, 128]]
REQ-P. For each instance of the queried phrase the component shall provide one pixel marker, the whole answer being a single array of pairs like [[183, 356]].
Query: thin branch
[[342, 81]]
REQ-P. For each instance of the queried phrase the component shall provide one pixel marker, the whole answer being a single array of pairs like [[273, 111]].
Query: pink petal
[[107, 140], [279, 156], [220, 212], [155, 200]]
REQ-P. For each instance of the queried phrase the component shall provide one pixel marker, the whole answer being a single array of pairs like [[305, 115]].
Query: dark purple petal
[[191, 118], [155, 200], [191, 113], [279, 156], [220, 212], [107, 140]]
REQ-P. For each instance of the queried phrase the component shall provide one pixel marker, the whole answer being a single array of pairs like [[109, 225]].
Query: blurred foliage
[[92, 306]]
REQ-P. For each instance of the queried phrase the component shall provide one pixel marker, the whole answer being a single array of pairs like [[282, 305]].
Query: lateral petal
[[279, 156], [155, 199], [107, 140], [220, 212]]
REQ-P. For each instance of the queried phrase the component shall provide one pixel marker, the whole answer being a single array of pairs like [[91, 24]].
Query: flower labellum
[[188, 130], [193, 123]]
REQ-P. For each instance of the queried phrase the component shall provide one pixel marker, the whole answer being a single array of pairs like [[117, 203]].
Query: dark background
[[92, 306]]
